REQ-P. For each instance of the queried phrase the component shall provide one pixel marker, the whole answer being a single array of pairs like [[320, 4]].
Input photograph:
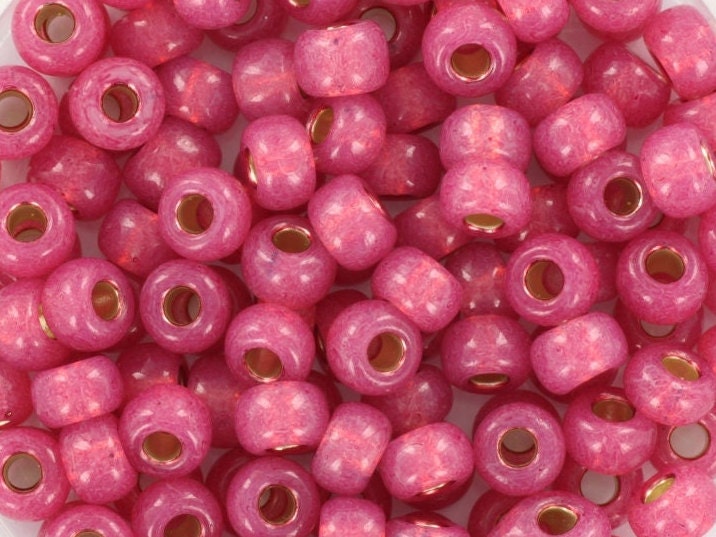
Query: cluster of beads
[[189, 349]]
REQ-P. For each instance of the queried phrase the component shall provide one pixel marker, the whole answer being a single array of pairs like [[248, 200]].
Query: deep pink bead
[[423, 524], [166, 431], [328, 386], [608, 198], [351, 448], [37, 232], [147, 364], [222, 471], [318, 12], [264, 80], [707, 238], [487, 511], [347, 133], [211, 14], [269, 342], [185, 306], [670, 385], [535, 25], [551, 278], [577, 133], [487, 198], [706, 348], [700, 112], [485, 132], [373, 348], [689, 445], [87, 177], [164, 35], [543, 81], [469, 50], [351, 517], [623, 22], [88, 304], [173, 505], [578, 350], [518, 447], [661, 277], [351, 223], [553, 513], [75, 519], [677, 501], [290, 504], [426, 398], [94, 460], [117, 103], [605, 433], [33, 484], [63, 52], [683, 42], [76, 392], [341, 60], [15, 398], [26, 341], [263, 20]]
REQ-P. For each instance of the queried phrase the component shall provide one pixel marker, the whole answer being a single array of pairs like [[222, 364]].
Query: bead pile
[[276, 351]]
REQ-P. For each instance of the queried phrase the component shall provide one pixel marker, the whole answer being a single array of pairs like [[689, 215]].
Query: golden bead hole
[[613, 408], [657, 489], [386, 352], [681, 368], [471, 62], [162, 447], [277, 505], [16, 110], [88, 533], [120, 103], [490, 381], [485, 223], [263, 364], [544, 280], [105, 300], [22, 473], [517, 448], [600, 489], [291, 239], [622, 196], [54, 23], [690, 442], [320, 124], [384, 18], [26, 222], [194, 214], [184, 525], [182, 306], [557, 519], [665, 265]]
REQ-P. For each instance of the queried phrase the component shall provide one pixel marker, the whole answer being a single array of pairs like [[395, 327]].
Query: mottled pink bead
[[706, 347], [147, 364], [319, 12], [222, 471], [624, 21], [211, 14], [707, 238], [160, 30], [166, 507], [166, 431], [487, 511], [699, 112], [33, 484], [661, 277], [469, 50], [423, 524], [606, 255], [263, 20], [25, 134], [677, 501], [683, 42], [535, 25], [688, 445], [15, 398], [75, 519], [351, 517], [373, 348], [551, 278], [291, 505], [351, 448]]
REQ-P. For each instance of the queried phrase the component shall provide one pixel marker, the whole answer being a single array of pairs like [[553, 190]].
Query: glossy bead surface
[[211, 14], [165, 440], [487, 511], [76, 518], [319, 12], [423, 524], [623, 22], [266, 21], [15, 398], [351, 517], [535, 25], [699, 112], [147, 364], [688, 445]]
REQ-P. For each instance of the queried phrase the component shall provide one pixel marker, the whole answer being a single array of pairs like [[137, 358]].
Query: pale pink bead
[[76, 518], [623, 22], [351, 517], [535, 25], [420, 523], [211, 14], [700, 112], [15, 397]]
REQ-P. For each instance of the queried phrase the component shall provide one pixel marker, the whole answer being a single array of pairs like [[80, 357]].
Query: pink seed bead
[[351, 448], [88, 304], [688, 445], [487, 198], [77, 518], [263, 20], [273, 496], [164, 35], [707, 238], [535, 25], [145, 365], [677, 501], [351, 517], [269, 342], [605, 433], [94, 461], [170, 505], [15, 398], [117, 103], [683, 42], [412, 101], [166, 440], [211, 14], [318, 12], [661, 277], [423, 523], [222, 472], [432, 473], [487, 511], [185, 306], [577, 133], [482, 131], [33, 484], [699, 112], [706, 348], [551, 278], [622, 22], [373, 348], [347, 59], [469, 50]]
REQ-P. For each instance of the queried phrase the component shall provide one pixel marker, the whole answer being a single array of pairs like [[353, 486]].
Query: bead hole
[[657, 330], [657, 489], [278, 505], [194, 214], [690, 442], [600, 489], [300, 3], [16, 111], [184, 526], [182, 306], [517, 448], [485, 223], [250, 13], [613, 409], [386, 352], [263, 364], [490, 381], [105, 300], [428, 520], [88, 533], [22, 473], [162, 447], [26, 222], [544, 280], [681, 368], [622, 196], [291, 239], [665, 265], [120, 103], [471, 62], [54, 23], [557, 519], [708, 158], [383, 18], [320, 124]]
